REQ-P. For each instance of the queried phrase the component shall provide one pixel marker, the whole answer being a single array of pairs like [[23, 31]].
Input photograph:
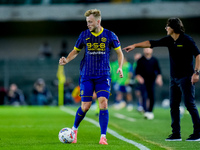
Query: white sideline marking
[[112, 132], [120, 116]]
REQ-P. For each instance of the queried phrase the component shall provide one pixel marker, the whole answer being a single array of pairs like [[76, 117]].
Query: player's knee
[[103, 103], [85, 107]]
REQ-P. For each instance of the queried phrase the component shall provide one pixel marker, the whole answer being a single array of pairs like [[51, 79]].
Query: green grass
[[36, 128]]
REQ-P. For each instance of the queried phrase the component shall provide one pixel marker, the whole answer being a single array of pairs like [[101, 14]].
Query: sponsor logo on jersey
[[96, 46], [179, 45]]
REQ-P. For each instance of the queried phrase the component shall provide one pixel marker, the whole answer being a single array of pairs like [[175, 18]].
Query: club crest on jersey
[[103, 39]]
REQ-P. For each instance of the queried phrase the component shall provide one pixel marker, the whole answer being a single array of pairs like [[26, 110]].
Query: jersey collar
[[97, 34]]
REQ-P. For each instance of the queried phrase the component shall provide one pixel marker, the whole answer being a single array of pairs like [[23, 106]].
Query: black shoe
[[193, 137], [174, 137]]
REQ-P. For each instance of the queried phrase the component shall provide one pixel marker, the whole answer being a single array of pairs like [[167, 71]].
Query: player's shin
[[103, 121], [79, 117]]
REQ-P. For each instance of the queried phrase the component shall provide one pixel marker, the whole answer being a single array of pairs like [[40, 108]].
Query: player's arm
[[197, 62], [145, 44], [70, 57], [120, 56], [159, 81], [195, 76], [139, 78]]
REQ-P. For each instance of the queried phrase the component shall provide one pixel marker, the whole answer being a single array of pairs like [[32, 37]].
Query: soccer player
[[95, 69], [183, 75], [124, 89]]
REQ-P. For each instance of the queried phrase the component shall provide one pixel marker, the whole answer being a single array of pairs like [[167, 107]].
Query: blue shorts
[[101, 85]]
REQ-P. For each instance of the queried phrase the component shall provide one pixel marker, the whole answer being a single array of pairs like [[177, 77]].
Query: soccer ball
[[66, 135], [182, 110], [165, 103]]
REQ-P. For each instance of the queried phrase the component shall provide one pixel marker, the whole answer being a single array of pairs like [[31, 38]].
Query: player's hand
[[159, 81], [140, 79], [129, 48], [195, 78], [62, 61], [119, 70]]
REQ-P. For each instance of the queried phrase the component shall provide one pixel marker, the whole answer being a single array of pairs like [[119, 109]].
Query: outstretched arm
[[120, 56], [145, 44], [70, 57]]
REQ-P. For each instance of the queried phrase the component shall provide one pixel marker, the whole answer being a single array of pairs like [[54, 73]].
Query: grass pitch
[[37, 128]]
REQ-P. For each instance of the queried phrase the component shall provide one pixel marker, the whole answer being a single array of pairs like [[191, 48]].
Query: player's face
[[169, 30], [148, 51], [92, 23]]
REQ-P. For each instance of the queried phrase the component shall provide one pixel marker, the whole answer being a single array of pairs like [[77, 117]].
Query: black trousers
[[148, 92], [182, 87]]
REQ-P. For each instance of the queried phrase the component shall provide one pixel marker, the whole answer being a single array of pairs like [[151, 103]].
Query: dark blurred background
[[26, 25]]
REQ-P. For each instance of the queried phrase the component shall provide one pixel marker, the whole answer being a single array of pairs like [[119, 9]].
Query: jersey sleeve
[[79, 43], [115, 41], [161, 42]]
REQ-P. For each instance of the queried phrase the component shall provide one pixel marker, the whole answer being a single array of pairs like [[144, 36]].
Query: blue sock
[[79, 117], [103, 120]]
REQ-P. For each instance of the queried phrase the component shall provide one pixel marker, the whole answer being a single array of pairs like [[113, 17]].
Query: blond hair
[[95, 12]]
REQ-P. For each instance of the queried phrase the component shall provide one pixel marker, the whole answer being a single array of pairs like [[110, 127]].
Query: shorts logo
[[81, 92]]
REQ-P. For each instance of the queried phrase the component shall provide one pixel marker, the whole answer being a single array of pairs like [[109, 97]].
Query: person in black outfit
[[183, 75], [148, 73]]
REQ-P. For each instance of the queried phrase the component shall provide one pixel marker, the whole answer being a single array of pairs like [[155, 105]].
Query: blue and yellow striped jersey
[[97, 51]]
